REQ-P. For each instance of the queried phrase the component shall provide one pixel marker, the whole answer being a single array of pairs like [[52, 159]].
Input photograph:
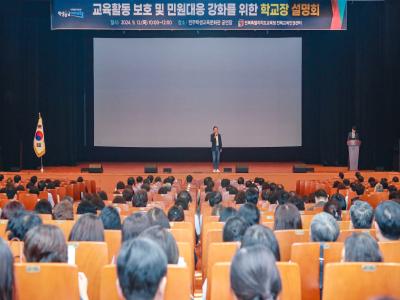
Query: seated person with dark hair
[[321, 197], [250, 213], [142, 270], [387, 221], [234, 229], [127, 194], [240, 197], [20, 223], [361, 247], [85, 207], [165, 240], [226, 213], [251, 195], [110, 218], [359, 189], [158, 217], [214, 198], [287, 217], [140, 199], [184, 196], [250, 279], [176, 214], [332, 207], [43, 206], [133, 225], [261, 235]]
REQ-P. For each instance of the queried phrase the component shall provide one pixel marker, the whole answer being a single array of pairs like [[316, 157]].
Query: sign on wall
[[199, 15]]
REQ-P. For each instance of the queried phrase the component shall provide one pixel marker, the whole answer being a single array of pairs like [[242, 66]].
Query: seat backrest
[[291, 283], [218, 281], [3, 227], [390, 251], [46, 281], [213, 236], [91, 257], [113, 240], [306, 221], [306, 255], [64, 225], [178, 283], [29, 200], [187, 253], [354, 281], [183, 235], [219, 252], [344, 234], [287, 237]]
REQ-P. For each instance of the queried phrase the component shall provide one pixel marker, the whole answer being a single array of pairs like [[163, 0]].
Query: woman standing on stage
[[216, 148]]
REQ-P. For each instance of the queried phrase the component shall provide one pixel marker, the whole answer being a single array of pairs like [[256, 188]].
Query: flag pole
[[41, 165]]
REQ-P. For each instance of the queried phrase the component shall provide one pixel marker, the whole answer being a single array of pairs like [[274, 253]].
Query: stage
[[279, 172]]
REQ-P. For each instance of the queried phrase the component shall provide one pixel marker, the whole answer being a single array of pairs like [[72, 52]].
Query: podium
[[354, 150]]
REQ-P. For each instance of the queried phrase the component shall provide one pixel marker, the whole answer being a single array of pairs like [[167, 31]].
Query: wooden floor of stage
[[279, 172]]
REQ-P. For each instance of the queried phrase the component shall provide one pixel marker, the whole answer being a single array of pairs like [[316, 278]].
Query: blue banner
[[199, 15]]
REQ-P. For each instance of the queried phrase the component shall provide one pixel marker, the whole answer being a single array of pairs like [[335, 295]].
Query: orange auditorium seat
[[307, 255], [287, 237], [46, 281], [358, 281], [91, 257]]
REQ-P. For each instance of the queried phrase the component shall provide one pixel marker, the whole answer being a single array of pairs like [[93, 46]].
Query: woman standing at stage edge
[[216, 148]]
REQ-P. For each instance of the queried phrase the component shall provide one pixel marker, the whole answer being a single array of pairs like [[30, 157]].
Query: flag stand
[[41, 165]]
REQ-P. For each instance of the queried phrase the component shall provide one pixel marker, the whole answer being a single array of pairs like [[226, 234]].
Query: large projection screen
[[169, 92]]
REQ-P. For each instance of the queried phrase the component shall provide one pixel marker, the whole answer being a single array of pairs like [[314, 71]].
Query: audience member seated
[[139, 199], [185, 197], [103, 195], [214, 198], [127, 194], [46, 244], [332, 207], [85, 207], [141, 270], [361, 247], [240, 197], [321, 197], [88, 228], [250, 213], [182, 203], [134, 225], [63, 211], [287, 216], [176, 214], [297, 201], [251, 195], [7, 280], [158, 217], [119, 188], [43, 206], [387, 221], [251, 279], [226, 213], [324, 228], [261, 235], [11, 208], [361, 215], [119, 200], [20, 224], [340, 199], [110, 218], [165, 240], [359, 189], [96, 201], [234, 229]]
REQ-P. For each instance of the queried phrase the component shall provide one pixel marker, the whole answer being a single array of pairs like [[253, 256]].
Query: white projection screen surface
[[169, 92]]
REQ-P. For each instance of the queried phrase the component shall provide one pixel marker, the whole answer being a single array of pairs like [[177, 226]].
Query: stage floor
[[194, 167], [279, 172]]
